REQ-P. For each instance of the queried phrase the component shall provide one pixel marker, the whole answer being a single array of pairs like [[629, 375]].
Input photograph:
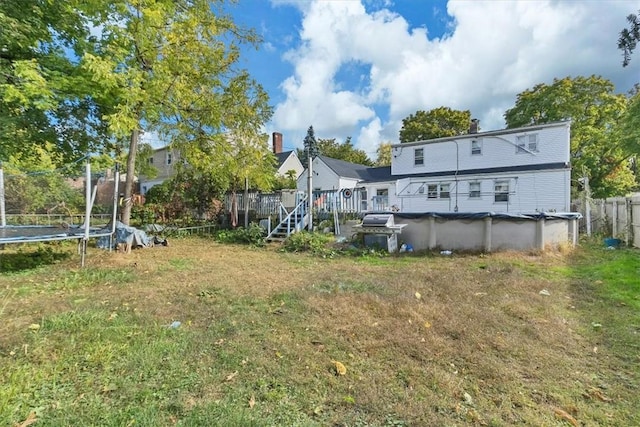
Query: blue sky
[[358, 67]]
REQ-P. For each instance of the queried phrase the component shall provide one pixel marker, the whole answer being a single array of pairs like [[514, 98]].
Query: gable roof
[[356, 171], [282, 157]]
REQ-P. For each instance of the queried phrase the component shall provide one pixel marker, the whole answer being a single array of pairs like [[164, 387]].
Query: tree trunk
[[131, 173]]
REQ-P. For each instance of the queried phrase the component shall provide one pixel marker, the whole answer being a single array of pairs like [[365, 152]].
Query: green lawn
[[425, 339]]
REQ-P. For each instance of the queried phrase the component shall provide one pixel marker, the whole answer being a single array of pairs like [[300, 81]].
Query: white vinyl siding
[[499, 150]]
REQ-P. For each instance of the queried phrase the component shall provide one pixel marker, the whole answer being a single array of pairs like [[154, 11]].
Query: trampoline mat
[[15, 233]]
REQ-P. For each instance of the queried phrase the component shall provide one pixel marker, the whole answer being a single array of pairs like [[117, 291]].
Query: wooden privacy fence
[[615, 216]]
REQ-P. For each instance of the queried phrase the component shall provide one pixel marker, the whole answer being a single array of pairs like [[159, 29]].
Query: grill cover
[[378, 220]]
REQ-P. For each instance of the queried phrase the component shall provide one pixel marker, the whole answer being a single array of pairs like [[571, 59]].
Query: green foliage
[[310, 147], [344, 151], [28, 259], [46, 99], [34, 186], [254, 235], [629, 38], [186, 195], [436, 123], [304, 241], [383, 154], [596, 113]]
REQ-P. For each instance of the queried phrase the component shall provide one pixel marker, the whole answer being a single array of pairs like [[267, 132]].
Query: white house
[[521, 170], [286, 160], [371, 187]]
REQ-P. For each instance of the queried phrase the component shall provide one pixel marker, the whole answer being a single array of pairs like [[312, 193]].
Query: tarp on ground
[[125, 234]]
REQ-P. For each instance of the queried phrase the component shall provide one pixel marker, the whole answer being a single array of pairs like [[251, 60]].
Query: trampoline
[[45, 233], [48, 233]]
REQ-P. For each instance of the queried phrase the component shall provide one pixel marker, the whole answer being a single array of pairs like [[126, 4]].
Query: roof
[[282, 157], [356, 171], [530, 128]]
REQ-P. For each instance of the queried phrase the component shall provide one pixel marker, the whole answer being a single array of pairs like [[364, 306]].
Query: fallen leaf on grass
[[34, 326], [594, 392], [31, 418], [418, 296], [340, 368], [231, 376], [564, 415], [427, 325], [252, 401]]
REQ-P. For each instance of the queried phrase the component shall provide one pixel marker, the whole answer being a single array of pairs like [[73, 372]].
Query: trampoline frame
[[86, 231]]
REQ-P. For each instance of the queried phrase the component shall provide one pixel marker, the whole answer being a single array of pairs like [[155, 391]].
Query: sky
[[358, 67]]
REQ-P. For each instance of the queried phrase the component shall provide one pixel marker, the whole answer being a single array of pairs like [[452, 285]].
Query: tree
[[171, 66], [436, 123], [345, 151], [310, 147], [33, 185], [596, 113], [629, 38], [384, 154], [47, 100]]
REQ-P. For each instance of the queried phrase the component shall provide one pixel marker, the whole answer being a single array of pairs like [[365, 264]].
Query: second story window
[[418, 157], [527, 143], [476, 147], [169, 158]]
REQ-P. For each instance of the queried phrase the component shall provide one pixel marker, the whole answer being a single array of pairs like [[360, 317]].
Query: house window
[[418, 157], [150, 160], [169, 158], [501, 191], [363, 199], [432, 191], [444, 191], [476, 147], [527, 143], [474, 190]]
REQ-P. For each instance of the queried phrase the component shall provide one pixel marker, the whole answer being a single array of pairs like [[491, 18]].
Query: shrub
[[254, 235], [305, 241]]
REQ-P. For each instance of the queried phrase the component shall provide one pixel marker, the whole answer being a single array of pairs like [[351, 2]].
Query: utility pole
[[3, 216], [587, 205], [246, 203], [310, 187]]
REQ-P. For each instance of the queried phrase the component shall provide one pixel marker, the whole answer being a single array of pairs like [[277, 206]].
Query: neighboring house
[[286, 160], [164, 160], [522, 170]]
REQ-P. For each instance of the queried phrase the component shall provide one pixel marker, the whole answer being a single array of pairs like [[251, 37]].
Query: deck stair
[[290, 221]]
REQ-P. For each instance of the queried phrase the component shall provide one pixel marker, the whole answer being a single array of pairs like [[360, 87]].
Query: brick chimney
[[474, 127], [277, 142]]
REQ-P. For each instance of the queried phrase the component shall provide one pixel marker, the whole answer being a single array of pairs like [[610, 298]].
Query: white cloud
[[495, 51]]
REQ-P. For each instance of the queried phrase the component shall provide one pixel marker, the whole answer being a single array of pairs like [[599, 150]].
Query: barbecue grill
[[380, 230]]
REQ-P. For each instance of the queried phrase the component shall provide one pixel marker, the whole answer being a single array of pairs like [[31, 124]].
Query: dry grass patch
[[426, 340]]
